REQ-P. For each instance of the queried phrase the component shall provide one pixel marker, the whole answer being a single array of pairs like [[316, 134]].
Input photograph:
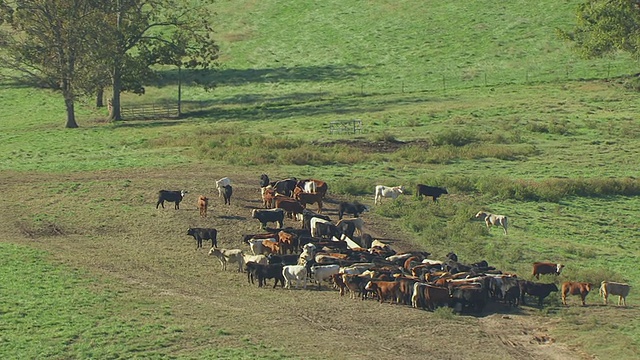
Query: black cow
[[170, 196], [327, 230], [269, 215], [286, 186], [286, 259], [264, 180], [366, 240], [506, 288], [227, 191], [307, 215], [354, 208], [433, 191], [469, 297], [271, 271], [200, 234], [346, 228], [535, 289]]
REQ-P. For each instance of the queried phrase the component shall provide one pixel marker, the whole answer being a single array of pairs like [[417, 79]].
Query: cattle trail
[[525, 339]]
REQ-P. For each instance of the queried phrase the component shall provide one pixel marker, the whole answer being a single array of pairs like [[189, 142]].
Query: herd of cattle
[[352, 262]]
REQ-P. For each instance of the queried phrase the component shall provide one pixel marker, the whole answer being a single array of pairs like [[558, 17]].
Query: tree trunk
[[115, 99], [71, 114], [99, 97]]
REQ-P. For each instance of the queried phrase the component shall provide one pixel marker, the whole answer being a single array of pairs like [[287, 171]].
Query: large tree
[[606, 26], [46, 42], [144, 33]]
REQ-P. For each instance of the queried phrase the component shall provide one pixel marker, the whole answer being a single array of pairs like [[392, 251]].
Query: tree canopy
[[82, 46], [604, 27]]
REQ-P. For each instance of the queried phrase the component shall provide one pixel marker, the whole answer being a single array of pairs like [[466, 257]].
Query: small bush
[[353, 187], [444, 313], [454, 137]]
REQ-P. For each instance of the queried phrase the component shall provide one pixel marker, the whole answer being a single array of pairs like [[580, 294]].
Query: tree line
[[80, 47]]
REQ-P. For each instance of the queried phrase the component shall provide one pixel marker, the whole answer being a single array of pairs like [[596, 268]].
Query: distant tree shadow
[[236, 77]]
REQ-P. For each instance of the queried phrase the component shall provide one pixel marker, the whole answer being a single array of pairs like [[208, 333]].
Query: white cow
[[229, 256], [613, 288], [294, 272], [256, 246], [493, 220], [258, 259], [324, 272], [220, 184], [388, 192]]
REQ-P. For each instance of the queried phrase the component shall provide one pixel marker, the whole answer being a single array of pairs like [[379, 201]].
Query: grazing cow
[[307, 198], [613, 288], [387, 192], [545, 268], [228, 256], [220, 184], [294, 272], [354, 208], [358, 225], [271, 271], [203, 204], [269, 215], [264, 180], [323, 272], [307, 215], [314, 224], [539, 290], [575, 288], [433, 191], [200, 234], [493, 220], [227, 191], [290, 205], [170, 196], [385, 290]]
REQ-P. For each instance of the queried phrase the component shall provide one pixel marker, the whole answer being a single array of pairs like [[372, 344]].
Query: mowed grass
[[483, 103]]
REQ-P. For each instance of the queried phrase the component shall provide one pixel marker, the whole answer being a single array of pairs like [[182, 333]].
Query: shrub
[[454, 137]]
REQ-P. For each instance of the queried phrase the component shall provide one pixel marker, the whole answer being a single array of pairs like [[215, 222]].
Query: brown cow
[[272, 246], [385, 290], [544, 268], [575, 288], [287, 242], [289, 205], [203, 204], [308, 198]]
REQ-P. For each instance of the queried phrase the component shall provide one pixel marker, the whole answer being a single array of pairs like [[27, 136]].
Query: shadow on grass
[[236, 77]]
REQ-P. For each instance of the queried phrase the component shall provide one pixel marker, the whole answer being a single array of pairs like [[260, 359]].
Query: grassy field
[[480, 98]]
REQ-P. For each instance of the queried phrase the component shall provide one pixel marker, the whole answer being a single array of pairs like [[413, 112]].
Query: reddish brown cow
[[287, 242], [338, 282], [385, 290], [268, 196], [203, 204], [272, 246], [289, 205], [575, 288], [543, 268], [308, 198]]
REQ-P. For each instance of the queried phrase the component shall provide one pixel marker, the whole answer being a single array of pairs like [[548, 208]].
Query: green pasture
[[479, 97]]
